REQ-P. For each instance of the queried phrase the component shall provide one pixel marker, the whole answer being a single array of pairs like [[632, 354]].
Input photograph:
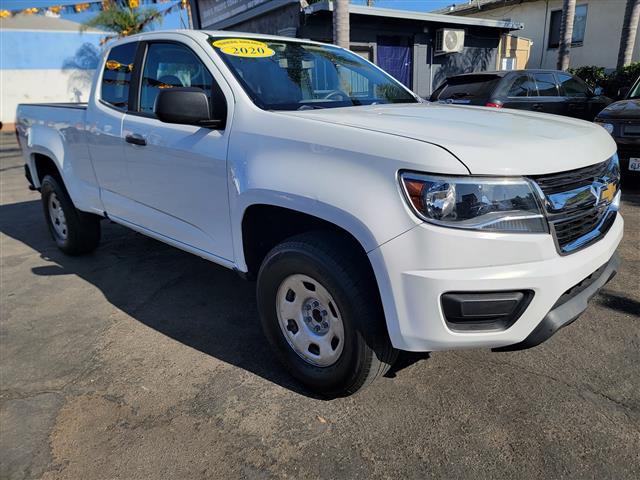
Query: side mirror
[[623, 91], [186, 106]]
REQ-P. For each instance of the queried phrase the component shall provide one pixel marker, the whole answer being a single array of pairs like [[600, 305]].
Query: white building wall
[[35, 86], [602, 34]]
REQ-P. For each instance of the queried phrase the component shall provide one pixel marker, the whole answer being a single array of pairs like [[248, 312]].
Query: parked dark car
[[547, 91], [622, 120]]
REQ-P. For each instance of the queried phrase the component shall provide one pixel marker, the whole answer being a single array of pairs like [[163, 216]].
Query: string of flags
[[95, 5]]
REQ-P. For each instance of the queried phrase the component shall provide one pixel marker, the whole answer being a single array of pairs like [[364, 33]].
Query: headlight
[[475, 203], [607, 126]]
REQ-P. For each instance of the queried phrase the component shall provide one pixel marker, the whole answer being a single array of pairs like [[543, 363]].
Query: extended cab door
[[177, 173], [105, 113]]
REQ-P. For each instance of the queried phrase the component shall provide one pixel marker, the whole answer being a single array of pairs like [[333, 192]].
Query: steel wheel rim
[[310, 320], [56, 214]]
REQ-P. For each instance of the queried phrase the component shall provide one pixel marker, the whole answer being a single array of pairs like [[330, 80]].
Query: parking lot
[[142, 361]]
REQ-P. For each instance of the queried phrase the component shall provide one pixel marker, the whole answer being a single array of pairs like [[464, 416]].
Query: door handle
[[537, 106], [136, 139]]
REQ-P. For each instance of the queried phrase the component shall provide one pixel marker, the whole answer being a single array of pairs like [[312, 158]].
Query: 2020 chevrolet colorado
[[373, 221]]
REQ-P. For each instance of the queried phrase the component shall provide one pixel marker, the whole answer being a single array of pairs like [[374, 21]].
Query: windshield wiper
[[310, 107]]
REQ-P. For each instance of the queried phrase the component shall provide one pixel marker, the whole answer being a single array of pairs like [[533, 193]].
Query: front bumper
[[568, 309], [415, 269]]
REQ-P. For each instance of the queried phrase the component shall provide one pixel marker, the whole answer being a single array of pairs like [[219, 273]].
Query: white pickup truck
[[373, 221]]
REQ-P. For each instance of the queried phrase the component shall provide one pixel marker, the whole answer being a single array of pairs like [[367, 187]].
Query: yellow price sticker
[[244, 47]]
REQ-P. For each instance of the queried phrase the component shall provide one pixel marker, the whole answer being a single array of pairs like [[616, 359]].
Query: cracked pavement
[[143, 362]]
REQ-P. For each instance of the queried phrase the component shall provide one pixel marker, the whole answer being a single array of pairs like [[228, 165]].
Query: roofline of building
[[327, 6], [412, 15], [470, 8]]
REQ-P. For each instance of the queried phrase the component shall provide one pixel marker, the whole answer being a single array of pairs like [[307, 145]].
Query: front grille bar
[[582, 204]]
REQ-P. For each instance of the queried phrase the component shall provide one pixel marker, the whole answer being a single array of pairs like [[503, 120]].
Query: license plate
[[634, 164]]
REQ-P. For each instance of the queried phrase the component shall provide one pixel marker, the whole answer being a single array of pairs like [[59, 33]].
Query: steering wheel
[[338, 95]]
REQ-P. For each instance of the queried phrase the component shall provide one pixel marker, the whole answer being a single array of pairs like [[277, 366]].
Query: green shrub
[[594, 76], [611, 82], [622, 77]]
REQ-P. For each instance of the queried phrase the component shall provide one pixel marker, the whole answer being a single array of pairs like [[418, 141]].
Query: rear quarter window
[[468, 87], [116, 77], [521, 86]]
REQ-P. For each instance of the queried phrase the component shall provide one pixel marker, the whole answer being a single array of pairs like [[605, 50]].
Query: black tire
[[345, 273], [82, 233]]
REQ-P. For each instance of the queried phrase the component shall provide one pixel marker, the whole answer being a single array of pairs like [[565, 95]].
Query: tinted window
[[579, 26], [571, 86], [117, 75], [522, 86], [468, 87], [546, 83], [169, 65]]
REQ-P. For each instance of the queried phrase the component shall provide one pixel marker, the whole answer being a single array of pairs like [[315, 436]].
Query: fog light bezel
[[484, 311]]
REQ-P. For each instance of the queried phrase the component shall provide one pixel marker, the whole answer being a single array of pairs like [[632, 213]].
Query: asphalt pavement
[[140, 361]]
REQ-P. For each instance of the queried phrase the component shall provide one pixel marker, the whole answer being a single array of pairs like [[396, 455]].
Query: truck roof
[[199, 34]]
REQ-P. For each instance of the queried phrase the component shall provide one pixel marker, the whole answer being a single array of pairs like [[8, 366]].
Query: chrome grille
[[580, 204], [569, 180]]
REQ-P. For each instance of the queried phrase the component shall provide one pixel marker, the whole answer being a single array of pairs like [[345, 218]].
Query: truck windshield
[[281, 75]]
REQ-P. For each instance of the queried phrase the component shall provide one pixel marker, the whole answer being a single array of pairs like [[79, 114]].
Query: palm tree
[[629, 31], [341, 23], [123, 17], [566, 33]]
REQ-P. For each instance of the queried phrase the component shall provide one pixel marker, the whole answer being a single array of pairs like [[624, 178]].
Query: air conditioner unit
[[449, 41]]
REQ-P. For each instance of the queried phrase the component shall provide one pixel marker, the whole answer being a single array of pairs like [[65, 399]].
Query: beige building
[[596, 30]]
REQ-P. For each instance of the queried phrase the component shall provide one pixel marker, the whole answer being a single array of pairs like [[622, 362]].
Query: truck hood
[[622, 110], [487, 141]]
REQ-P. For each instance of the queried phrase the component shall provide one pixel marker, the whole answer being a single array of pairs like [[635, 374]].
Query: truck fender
[[305, 205], [45, 141]]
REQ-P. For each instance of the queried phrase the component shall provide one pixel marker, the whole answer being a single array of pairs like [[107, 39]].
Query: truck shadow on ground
[[191, 300]]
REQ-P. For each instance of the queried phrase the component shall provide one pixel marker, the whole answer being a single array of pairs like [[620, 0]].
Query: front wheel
[[321, 312]]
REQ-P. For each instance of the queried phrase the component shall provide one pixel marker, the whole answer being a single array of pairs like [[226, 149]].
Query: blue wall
[[24, 50]]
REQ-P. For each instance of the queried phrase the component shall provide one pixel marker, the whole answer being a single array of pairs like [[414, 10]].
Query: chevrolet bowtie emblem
[[604, 192], [608, 193]]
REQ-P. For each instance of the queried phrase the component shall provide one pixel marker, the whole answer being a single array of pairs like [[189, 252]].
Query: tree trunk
[[341, 23], [370, 3], [629, 31], [566, 33]]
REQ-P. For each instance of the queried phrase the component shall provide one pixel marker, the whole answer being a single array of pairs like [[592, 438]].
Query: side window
[[522, 86], [579, 26], [571, 86], [546, 83], [169, 65], [116, 77]]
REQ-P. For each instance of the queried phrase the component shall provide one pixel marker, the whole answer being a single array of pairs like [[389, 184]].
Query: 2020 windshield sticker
[[244, 47]]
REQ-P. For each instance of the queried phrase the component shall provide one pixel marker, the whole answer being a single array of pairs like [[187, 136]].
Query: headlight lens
[[607, 126], [487, 204]]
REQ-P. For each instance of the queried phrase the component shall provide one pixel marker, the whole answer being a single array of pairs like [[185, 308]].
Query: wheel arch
[[264, 225], [43, 164]]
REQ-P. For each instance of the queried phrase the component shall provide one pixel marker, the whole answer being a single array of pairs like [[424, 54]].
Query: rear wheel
[[74, 232], [321, 312]]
